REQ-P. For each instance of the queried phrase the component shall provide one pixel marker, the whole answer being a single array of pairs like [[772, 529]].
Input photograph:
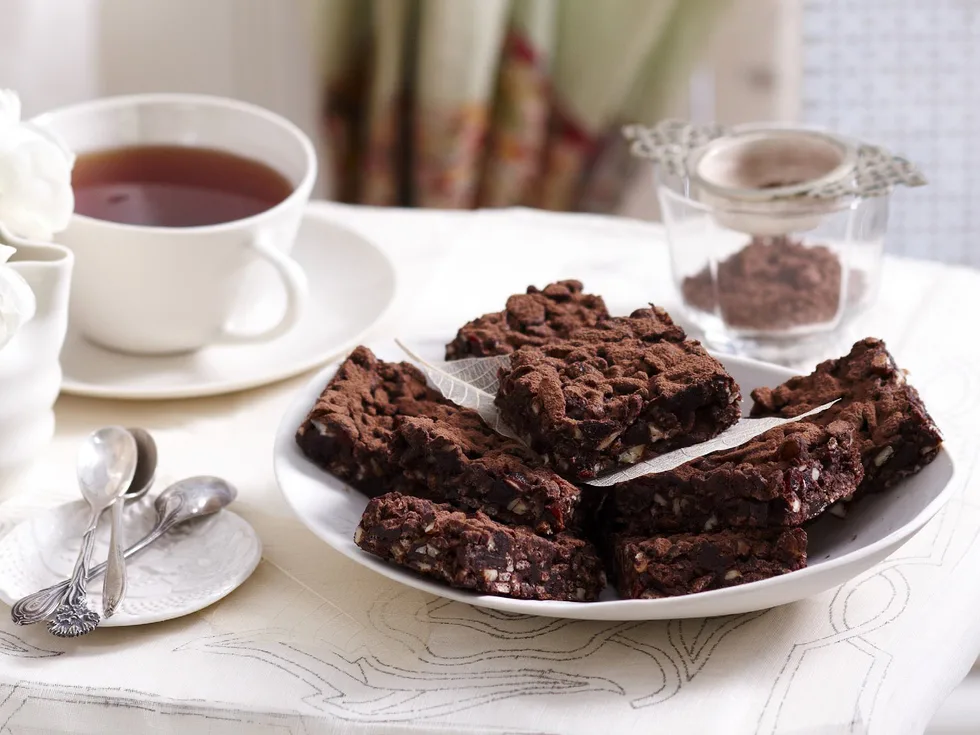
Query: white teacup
[[158, 290]]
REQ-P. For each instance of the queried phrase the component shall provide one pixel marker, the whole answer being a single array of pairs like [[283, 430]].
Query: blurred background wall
[[283, 53], [900, 72]]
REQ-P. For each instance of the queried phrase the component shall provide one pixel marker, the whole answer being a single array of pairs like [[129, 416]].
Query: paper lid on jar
[[764, 162]]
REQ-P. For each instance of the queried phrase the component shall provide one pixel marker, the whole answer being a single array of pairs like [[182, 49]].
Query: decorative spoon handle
[[38, 606], [79, 575], [114, 585], [73, 616]]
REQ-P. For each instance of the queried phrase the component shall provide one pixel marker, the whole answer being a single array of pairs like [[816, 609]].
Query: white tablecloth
[[313, 643]]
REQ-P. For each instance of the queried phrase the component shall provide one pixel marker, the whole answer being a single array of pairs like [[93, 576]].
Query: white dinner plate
[[839, 549], [192, 566], [352, 285]]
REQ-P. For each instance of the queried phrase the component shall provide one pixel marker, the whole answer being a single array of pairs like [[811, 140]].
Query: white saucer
[[352, 285], [191, 567]]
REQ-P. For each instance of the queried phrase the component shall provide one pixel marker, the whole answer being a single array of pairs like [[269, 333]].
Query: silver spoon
[[146, 464], [114, 584], [183, 501], [106, 465]]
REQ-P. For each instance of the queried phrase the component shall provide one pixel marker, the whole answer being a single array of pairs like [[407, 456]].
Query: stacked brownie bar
[[350, 430], [877, 433], [896, 436], [381, 428], [628, 389], [729, 517]]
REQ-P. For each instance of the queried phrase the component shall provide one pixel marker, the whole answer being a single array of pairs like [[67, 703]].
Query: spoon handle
[[79, 576], [38, 606], [114, 585]]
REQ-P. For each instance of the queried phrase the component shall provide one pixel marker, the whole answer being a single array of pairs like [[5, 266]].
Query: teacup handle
[[293, 279]]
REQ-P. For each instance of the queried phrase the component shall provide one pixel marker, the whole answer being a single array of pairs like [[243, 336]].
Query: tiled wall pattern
[[906, 74]]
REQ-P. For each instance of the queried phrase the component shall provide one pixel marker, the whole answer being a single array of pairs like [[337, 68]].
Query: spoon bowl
[[106, 465], [146, 464], [194, 497]]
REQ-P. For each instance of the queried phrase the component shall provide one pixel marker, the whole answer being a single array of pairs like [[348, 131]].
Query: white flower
[[17, 303], [36, 198]]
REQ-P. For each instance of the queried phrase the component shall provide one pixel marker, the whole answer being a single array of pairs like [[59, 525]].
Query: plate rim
[[286, 454], [313, 211]]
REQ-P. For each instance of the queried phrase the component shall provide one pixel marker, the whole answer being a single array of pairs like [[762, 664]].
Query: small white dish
[[189, 568], [352, 285], [839, 549]]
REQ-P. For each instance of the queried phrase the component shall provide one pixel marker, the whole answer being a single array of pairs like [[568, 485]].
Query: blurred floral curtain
[[485, 103]]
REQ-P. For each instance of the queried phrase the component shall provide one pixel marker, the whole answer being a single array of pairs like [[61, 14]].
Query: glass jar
[[783, 295]]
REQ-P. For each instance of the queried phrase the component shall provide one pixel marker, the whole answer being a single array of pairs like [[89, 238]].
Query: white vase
[[30, 372]]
